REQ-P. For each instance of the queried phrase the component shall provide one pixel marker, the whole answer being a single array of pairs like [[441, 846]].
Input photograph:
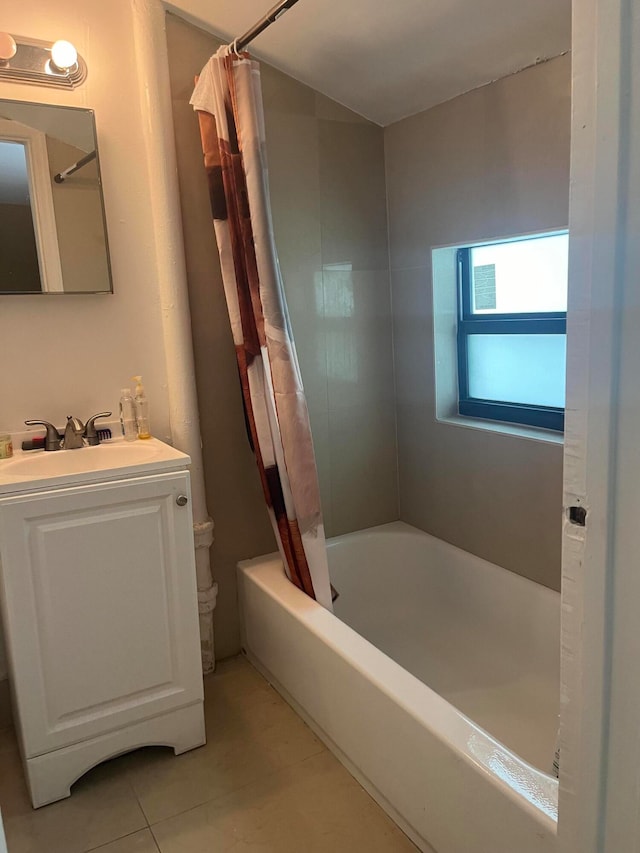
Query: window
[[512, 316]]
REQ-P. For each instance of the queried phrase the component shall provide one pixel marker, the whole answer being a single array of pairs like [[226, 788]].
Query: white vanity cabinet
[[100, 613]]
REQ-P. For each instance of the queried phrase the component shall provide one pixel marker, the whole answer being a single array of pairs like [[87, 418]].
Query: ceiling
[[387, 60]]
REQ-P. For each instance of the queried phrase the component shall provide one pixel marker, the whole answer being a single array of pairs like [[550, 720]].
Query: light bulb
[[64, 55], [8, 47]]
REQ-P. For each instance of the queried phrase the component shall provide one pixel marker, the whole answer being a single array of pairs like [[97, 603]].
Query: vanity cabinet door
[[99, 607]]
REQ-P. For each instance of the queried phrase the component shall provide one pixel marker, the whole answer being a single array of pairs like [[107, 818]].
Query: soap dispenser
[[142, 409]]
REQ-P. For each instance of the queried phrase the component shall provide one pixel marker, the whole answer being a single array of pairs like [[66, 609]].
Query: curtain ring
[[234, 48]]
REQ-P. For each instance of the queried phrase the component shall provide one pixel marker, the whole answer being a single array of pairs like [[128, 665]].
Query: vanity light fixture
[[43, 63]]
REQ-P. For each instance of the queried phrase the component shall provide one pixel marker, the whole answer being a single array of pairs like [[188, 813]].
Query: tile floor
[[263, 782]]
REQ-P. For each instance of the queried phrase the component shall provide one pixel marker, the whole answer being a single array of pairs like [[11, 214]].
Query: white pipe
[[155, 105]]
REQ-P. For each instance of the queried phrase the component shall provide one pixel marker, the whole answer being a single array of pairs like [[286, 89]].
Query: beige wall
[[491, 163], [111, 336], [326, 168]]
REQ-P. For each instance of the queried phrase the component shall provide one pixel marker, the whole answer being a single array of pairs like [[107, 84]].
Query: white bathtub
[[436, 683]]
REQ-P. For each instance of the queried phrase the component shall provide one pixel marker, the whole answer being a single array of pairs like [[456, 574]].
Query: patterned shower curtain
[[228, 100]]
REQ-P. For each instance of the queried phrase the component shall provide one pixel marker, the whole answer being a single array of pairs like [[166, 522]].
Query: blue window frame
[[511, 357]]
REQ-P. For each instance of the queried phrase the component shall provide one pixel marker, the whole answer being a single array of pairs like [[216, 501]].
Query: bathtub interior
[[483, 638]]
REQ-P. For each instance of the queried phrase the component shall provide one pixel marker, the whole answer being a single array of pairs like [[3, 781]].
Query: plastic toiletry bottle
[[6, 446], [142, 409], [128, 415]]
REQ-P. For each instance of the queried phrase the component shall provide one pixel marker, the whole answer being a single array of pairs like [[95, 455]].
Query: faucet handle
[[52, 441], [90, 432]]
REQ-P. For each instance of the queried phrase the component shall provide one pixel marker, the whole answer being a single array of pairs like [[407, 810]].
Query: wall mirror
[[53, 236]]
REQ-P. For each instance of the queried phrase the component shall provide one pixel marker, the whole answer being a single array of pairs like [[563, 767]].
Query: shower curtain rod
[[62, 176], [271, 16]]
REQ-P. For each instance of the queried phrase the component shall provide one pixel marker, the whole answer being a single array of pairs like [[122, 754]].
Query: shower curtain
[[228, 100]]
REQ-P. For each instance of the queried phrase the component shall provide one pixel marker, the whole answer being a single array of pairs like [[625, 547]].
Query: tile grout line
[[270, 688], [137, 798], [119, 838], [228, 793], [155, 840], [149, 825]]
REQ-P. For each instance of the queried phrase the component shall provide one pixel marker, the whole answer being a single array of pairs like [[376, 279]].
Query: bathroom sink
[[112, 460], [62, 462]]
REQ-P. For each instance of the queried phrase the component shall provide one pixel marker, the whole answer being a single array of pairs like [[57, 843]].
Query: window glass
[[527, 369], [522, 276]]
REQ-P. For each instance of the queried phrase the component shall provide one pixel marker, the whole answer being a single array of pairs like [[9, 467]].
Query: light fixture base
[[32, 63]]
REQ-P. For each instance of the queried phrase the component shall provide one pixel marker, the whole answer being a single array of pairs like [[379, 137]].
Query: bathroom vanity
[[99, 606]]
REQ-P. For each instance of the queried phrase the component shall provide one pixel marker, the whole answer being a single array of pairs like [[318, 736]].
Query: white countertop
[[35, 470]]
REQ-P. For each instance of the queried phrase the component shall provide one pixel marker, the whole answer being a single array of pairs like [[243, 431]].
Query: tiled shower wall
[[328, 197], [489, 164]]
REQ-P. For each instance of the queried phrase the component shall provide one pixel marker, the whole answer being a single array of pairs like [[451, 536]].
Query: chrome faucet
[[73, 434], [76, 434]]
